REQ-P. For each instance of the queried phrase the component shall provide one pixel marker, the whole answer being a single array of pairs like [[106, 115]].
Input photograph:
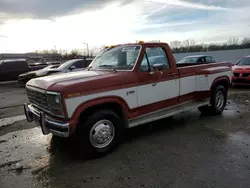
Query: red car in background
[[241, 72]]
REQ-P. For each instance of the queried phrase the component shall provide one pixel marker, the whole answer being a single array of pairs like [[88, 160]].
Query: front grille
[[242, 81], [38, 98], [245, 74], [236, 74]]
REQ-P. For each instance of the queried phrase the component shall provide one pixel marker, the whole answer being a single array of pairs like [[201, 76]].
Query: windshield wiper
[[108, 66], [111, 66]]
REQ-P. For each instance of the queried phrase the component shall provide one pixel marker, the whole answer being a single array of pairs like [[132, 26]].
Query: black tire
[[216, 107], [84, 129]]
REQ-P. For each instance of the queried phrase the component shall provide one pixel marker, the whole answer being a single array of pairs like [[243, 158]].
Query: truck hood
[[82, 81]]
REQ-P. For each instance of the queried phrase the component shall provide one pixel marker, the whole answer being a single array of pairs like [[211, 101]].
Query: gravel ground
[[12, 97], [187, 150]]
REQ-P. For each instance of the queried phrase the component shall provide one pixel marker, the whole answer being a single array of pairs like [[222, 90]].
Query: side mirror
[[158, 66], [72, 67]]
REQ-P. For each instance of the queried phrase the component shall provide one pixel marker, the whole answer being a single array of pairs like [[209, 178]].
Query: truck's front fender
[[100, 101]]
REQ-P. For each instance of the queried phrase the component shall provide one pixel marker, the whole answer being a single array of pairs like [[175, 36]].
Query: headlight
[[55, 103], [32, 75]]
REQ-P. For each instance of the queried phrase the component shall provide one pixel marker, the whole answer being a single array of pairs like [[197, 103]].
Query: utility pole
[[87, 45]]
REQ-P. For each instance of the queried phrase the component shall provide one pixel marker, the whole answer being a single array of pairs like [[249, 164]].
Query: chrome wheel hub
[[219, 99], [102, 134]]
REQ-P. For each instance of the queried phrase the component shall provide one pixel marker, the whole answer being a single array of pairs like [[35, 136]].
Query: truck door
[[163, 90]]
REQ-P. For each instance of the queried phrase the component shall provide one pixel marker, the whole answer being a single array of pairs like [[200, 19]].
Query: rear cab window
[[79, 64], [213, 60], [201, 60], [210, 59]]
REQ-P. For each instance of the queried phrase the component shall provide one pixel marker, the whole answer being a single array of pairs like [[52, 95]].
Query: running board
[[167, 112]]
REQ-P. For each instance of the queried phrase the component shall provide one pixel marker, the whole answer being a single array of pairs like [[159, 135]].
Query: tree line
[[75, 53], [177, 46], [190, 45]]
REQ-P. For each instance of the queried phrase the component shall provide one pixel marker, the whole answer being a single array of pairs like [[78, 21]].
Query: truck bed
[[201, 77], [194, 64], [198, 66]]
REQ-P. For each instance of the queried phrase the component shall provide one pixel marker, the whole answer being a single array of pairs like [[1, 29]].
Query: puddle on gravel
[[232, 109], [239, 138], [237, 148]]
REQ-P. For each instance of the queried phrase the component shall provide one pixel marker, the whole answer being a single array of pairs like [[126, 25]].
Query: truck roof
[[138, 43]]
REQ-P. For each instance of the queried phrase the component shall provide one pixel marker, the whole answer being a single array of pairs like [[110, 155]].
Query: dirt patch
[[240, 96], [9, 163], [17, 126]]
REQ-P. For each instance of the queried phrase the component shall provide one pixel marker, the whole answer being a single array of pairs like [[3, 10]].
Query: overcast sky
[[28, 25]]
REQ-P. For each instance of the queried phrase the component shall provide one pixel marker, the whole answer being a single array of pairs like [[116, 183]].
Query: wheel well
[[223, 82], [107, 106]]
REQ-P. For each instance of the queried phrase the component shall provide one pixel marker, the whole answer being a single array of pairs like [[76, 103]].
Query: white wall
[[227, 55]]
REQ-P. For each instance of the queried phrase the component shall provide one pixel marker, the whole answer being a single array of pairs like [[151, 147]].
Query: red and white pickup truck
[[125, 86]]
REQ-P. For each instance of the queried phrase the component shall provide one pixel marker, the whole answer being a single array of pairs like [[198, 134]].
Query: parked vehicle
[[37, 66], [53, 63], [11, 68], [24, 78], [196, 60], [241, 72], [69, 66], [72, 65], [126, 86]]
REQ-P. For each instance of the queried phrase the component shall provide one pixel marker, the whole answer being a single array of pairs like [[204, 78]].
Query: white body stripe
[[148, 94], [201, 83], [187, 85], [159, 91], [131, 99], [212, 77]]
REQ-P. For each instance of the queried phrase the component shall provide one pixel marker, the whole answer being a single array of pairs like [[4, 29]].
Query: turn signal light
[[140, 42]]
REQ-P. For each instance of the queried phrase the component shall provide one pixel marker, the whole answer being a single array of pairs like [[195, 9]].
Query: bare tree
[[233, 41], [189, 42], [175, 44], [245, 41]]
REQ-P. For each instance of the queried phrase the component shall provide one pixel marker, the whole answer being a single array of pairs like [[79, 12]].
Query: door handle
[[171, 74], [154, 84]]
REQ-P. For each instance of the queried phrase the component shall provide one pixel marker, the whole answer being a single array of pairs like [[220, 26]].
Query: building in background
[[32, 57]]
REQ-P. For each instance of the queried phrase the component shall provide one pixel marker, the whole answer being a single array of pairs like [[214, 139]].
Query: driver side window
[[152, 56], [78, 64]]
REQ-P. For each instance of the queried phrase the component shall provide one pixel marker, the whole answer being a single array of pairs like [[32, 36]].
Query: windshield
[[244, 61], [66, 64], [119, 58], [188, 60]]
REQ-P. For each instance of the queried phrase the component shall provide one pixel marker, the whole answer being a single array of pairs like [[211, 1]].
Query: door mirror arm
[[72, 68], [158, 66]]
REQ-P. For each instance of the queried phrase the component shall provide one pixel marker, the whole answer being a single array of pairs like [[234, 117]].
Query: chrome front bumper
[[47, 124]]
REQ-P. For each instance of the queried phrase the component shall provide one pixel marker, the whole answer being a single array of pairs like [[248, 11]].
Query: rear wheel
[[218, 102], [100, 133]]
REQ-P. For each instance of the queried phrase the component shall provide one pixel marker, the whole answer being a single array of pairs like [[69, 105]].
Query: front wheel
[[218, 102], [101, 133]]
